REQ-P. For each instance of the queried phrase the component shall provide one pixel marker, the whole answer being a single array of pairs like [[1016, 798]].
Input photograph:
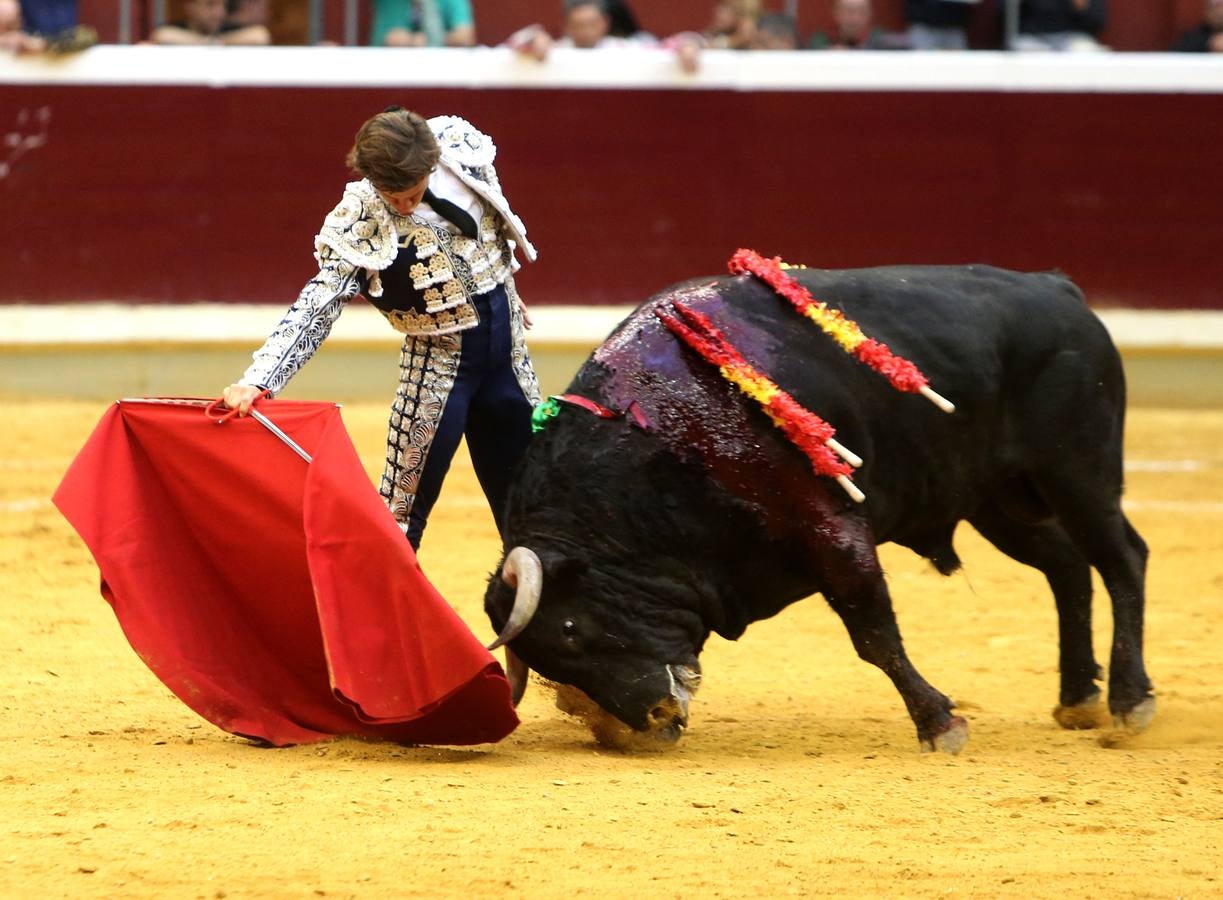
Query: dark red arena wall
[[164, 193]]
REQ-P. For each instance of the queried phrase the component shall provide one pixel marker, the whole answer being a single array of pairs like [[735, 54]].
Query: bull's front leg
[[854, 586]]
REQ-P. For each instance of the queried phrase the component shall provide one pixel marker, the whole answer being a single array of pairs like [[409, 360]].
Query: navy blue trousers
[[487, 407]]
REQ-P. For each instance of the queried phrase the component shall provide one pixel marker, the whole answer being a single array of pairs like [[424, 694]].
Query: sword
[[271, 426]]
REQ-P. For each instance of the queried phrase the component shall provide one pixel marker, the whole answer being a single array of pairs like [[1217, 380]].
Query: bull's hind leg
[[1123, 567], [854, 587], [1110, 544], [1045, 546]]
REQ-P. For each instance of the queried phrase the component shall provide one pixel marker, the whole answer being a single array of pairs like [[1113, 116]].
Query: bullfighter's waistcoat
[[421, 275]]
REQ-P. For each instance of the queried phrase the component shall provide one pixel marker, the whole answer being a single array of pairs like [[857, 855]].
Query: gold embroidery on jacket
[[427, 371], [441, 322], [456, 269]]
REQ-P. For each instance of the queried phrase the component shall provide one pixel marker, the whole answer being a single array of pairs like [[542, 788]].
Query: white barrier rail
[[626, 68]]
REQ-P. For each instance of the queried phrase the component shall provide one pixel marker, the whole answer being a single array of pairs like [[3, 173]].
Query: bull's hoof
[[950, 740], [1137, 719], [1087, 714], [1129, 723]]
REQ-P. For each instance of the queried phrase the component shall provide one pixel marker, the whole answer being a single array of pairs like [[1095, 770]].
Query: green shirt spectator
[[423, 23]]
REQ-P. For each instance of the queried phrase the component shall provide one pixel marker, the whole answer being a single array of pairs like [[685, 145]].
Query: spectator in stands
[[247, 13], [49, 18], [938, 24], [1207, 37], [204, 23], [1060, 25], [535, 41], [733, 24], [853, 29], [13, 36], [423, 23], [775, 31], [588, 25], [34, 26], [623, 22]]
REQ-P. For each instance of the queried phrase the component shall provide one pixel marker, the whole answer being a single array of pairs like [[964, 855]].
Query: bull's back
[[979, 332], [1027, 364], [1036, 381], [982, 333]]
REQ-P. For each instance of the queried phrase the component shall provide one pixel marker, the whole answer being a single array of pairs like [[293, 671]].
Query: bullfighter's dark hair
[[394, 149]]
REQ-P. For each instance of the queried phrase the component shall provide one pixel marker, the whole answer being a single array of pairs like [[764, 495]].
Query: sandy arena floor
[[800, 774]]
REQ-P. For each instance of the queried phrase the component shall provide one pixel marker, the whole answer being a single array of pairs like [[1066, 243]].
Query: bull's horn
[[522, 570], [516, 672]]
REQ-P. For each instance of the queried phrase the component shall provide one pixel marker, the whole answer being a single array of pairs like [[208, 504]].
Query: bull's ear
[[559, 569]]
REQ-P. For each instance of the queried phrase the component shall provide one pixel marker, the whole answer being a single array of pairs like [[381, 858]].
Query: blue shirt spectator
[[49, 17]]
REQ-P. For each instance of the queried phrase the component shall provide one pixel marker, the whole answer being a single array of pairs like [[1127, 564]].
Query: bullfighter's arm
[[306, 324]]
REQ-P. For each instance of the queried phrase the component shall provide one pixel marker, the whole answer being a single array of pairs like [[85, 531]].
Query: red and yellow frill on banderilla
[[806, 430], [902, 374]]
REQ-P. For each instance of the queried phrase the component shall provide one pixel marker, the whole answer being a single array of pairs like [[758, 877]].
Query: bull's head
[[632, 655]]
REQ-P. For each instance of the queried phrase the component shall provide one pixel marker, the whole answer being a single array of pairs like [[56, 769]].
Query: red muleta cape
[[277, 599]]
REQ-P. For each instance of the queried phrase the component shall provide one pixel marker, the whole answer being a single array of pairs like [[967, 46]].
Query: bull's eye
[[569, 628]]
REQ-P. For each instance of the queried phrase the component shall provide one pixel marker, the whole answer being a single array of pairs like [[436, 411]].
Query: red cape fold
[[277, 599]]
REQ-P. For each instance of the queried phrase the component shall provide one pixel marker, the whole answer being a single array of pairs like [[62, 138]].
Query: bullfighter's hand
[[240, 397], [526, 317]]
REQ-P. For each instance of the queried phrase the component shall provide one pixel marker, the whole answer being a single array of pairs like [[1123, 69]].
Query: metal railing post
[[125, 21], [316, 22], [1010, 25], [350, 23]]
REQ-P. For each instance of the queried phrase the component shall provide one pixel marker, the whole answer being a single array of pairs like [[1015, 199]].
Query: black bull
[[696, 514]]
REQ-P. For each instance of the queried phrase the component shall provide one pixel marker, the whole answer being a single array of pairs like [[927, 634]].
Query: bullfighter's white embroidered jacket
[[420, 275]]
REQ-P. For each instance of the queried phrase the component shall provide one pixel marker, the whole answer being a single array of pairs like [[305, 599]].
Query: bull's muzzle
[[664, 723], [668, 719]]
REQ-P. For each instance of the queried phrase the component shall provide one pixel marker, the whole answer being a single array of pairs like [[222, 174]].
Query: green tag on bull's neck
[[543, 412]]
